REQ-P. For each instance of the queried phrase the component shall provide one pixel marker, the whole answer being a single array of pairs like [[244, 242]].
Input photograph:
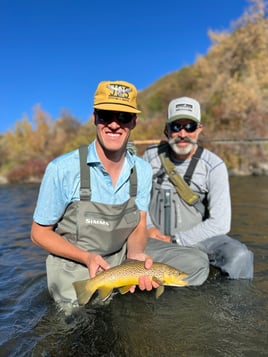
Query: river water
[[220, 318]]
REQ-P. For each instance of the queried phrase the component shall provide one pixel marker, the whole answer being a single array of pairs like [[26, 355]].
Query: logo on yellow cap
[[119, 91], [117, 96]]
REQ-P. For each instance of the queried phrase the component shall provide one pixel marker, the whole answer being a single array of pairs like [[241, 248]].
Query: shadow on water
[[221, 318]]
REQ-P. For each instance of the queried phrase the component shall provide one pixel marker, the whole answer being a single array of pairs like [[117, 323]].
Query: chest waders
[[175, 207], [95, 227]]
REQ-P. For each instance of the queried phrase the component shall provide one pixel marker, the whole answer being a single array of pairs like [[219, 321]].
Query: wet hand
[[95, 264], [145, 283]]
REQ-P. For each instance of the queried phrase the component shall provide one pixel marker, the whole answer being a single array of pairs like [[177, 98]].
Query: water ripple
[[221, 318]]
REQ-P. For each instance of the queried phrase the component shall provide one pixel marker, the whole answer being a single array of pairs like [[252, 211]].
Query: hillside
[[231, 84]]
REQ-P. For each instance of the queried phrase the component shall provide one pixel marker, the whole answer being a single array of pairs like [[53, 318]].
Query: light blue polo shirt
[[61, 183]]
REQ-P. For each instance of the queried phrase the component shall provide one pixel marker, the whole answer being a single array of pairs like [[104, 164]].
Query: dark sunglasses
[[107, 116], [189, 127]]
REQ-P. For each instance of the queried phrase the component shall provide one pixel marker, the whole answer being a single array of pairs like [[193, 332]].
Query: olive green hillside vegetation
[[230, 82]]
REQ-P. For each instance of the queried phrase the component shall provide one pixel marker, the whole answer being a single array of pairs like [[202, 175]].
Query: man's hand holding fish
[[145, 283], [97, 264]]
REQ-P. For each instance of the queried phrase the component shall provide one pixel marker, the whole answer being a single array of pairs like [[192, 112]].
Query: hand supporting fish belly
[[126, 275]]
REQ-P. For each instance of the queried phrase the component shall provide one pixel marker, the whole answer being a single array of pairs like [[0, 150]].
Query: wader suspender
[[179, 183], [190, 170], [85, 190]]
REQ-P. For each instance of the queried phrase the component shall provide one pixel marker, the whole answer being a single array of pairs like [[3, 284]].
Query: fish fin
[[159, 291], [154, 278], [104, 292], [124, 289], [82, 292]]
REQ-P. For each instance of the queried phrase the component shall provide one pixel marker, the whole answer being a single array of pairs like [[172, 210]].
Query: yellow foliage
[[230, 82]]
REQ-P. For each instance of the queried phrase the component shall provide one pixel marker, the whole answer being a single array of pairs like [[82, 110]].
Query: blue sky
[[53, 53]]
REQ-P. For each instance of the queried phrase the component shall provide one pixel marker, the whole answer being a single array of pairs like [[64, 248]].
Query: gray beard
[[182, 151]]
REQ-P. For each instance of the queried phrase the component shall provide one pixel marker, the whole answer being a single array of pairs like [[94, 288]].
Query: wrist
[[85, 257]]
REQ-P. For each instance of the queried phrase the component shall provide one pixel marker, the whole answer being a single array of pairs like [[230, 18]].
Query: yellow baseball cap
[[119, 96]]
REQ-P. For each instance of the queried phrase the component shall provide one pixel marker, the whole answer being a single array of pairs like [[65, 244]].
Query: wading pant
[[190, 260], [229, 255]]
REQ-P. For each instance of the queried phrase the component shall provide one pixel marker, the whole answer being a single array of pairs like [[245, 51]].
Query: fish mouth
[[182, 281]]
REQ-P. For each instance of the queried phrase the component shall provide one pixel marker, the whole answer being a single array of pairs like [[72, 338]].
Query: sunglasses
[[107, 116], [189, 127]]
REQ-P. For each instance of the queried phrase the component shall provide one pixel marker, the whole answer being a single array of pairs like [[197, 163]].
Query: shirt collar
[[93, 158]]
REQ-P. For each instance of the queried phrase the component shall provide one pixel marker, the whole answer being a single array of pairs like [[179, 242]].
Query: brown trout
[[126, 275]]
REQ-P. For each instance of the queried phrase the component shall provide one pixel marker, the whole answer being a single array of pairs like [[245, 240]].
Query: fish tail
[[83, 292]]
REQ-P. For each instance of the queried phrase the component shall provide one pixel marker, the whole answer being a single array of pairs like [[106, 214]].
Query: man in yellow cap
[[92, 204], [91, 209]]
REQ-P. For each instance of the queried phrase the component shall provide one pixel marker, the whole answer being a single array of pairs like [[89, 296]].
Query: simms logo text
[[96, 222]]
